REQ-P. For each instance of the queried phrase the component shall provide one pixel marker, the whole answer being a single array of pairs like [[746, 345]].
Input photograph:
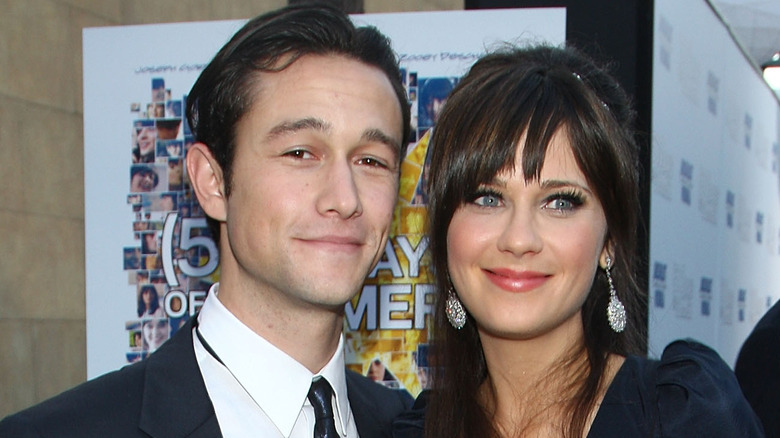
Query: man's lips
[[516, 281], [334, 242]]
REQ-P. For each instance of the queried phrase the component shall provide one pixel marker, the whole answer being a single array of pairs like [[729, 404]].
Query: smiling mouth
[[517, 282], [334, 243]]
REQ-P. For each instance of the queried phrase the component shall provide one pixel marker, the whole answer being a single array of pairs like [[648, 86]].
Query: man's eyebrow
[[316, 124], [377, 135], [292, 126]]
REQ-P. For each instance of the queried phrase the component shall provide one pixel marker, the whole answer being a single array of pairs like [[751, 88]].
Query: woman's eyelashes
[[564, 201], [485, 197]]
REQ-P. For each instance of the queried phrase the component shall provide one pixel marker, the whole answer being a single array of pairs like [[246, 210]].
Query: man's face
[[143, 181], [314, 181]]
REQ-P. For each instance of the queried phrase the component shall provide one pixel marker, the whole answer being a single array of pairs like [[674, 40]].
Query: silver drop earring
[[616, 313], [455, 312]]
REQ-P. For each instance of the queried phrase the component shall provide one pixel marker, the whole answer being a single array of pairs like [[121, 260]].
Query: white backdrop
[[715, 207]]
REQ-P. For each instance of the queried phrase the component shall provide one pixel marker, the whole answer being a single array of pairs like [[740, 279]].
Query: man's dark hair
[[226, 89]]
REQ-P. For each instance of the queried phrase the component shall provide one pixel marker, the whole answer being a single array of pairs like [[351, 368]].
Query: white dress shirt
[[260, 391]]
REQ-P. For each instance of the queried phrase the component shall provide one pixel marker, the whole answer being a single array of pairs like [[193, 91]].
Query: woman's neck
[[531, 381]]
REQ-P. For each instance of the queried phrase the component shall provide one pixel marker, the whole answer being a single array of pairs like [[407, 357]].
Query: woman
[[149, 303], [155, 333], [533, 210], [144, 138]]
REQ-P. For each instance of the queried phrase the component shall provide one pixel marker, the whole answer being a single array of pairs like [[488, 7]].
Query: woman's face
[[147, 296], [145, 139], [522, 256], [155, 333]]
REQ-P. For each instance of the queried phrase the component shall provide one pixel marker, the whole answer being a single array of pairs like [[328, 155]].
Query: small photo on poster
[[145, 178], [169, 148], [155, 332], [132, 258], [167, 129], [158, 90], [432, 94], [144, 138], [149, 298], [175, 174], [136, 340]]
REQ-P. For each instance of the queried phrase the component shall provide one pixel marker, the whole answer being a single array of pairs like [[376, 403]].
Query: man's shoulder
[[106, 401], [362, 387], [113, 404], [375, 406]]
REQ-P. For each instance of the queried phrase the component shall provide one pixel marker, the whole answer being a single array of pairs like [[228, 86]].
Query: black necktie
[[320, 395]]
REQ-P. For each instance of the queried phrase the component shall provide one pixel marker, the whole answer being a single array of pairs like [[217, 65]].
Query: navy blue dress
[[690, 392]]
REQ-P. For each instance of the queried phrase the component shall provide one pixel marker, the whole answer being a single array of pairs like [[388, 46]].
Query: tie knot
[[320, 396]]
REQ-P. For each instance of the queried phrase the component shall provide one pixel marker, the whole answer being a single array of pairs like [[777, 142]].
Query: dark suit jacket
[[758, 370], [164, 396]]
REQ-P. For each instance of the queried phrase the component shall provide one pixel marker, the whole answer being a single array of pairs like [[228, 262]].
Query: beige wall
[[42, 316]]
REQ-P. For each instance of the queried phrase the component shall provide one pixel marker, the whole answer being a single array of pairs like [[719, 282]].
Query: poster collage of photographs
[[158, 187]]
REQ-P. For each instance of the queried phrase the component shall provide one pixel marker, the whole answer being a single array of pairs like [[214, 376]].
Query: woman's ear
[[207, 181], [607, 253]]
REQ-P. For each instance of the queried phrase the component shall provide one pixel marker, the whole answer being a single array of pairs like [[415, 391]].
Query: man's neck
[[308, 334]]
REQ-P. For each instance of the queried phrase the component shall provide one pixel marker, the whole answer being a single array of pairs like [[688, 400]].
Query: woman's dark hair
[[227, 87], [153, 306], [535, 91]]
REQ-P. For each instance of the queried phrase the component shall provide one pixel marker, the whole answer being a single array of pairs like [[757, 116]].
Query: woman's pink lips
[[516, 281]]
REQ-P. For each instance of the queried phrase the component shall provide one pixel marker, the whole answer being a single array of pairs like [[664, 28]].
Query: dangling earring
[[616, 313], [455, 312]]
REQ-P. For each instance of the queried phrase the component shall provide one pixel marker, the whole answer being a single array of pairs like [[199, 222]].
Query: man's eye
[[300, 153], [372, 162]]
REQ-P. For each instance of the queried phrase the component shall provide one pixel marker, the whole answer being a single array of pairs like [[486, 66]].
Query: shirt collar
[[278, 383]]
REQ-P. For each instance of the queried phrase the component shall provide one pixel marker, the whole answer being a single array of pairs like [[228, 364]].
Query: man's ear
[[207, 181]]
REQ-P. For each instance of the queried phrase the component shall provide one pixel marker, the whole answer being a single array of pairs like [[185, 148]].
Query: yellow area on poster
[[387, 328]]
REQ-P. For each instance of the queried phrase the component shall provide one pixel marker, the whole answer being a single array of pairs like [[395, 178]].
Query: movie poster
[[150, 257]]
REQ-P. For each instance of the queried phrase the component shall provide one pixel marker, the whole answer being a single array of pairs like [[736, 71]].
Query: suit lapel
[[365, 409], [175, 400]]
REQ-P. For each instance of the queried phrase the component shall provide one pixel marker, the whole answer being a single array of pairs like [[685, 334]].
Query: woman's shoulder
[[411, 423], [689, 369], [695, 391]]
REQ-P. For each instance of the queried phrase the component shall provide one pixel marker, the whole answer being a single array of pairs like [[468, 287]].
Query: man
[[758, 370], [299, 122]]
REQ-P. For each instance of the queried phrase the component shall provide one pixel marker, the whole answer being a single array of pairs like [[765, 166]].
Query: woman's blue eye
[[487, 200], [560, 204], [564, 201]]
